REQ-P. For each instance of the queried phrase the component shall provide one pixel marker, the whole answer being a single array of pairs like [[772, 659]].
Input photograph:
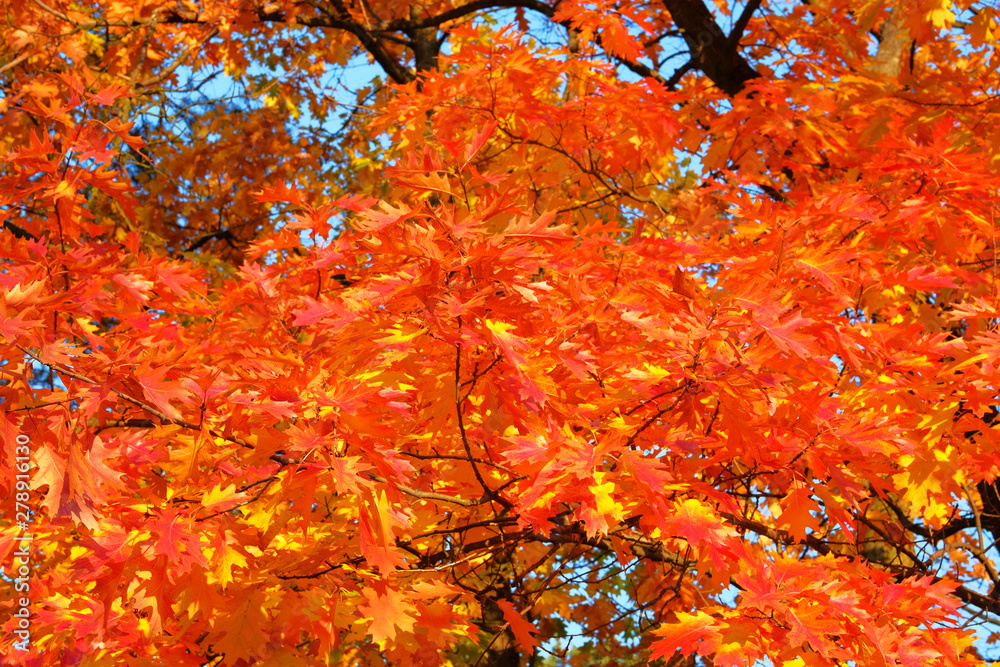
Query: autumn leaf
[[796, 515], [221, 496], [785, 334], [108, 94], [690, 633], [387, 611], [243, 626], [280, 192], [536, 229], [160, 392], [171, 534], [51, 472], [522, 629], [828, 266], [227, 557], [627, 315]]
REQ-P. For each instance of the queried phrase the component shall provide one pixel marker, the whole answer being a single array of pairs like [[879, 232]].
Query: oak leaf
[[523, 630]]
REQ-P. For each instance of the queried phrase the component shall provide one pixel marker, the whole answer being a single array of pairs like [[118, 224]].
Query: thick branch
[[267, 14], [775, 535], [223, 234], [575, 533], [977, 600], [642, 547], [711, 51], [396, 72], [894, 41], [465, 10], [733, 41]]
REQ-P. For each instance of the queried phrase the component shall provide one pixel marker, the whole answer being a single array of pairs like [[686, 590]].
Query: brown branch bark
[[893, 43], [712, 51]]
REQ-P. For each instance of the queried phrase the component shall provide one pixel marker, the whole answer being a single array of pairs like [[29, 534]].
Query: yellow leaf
[[225, 559], [61, 190], [941, 16], [219, 496], [602, 494], [397, 336]]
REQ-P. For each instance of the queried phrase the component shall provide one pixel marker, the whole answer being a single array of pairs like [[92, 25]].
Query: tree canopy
[[499, 332]]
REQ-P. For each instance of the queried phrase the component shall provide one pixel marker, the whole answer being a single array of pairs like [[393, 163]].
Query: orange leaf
[[522, 629], [691, 632], [388, 610]]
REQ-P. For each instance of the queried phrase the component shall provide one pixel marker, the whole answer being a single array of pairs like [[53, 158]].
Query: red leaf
[[785, 337], [280, 192], [923, 278], [477, 142], [171, 534], [160, 393], [827, 266], [108, 94]]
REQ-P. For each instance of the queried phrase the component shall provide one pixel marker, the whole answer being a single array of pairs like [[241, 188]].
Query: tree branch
[[733, 41], [711, 51], [164, 419]]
